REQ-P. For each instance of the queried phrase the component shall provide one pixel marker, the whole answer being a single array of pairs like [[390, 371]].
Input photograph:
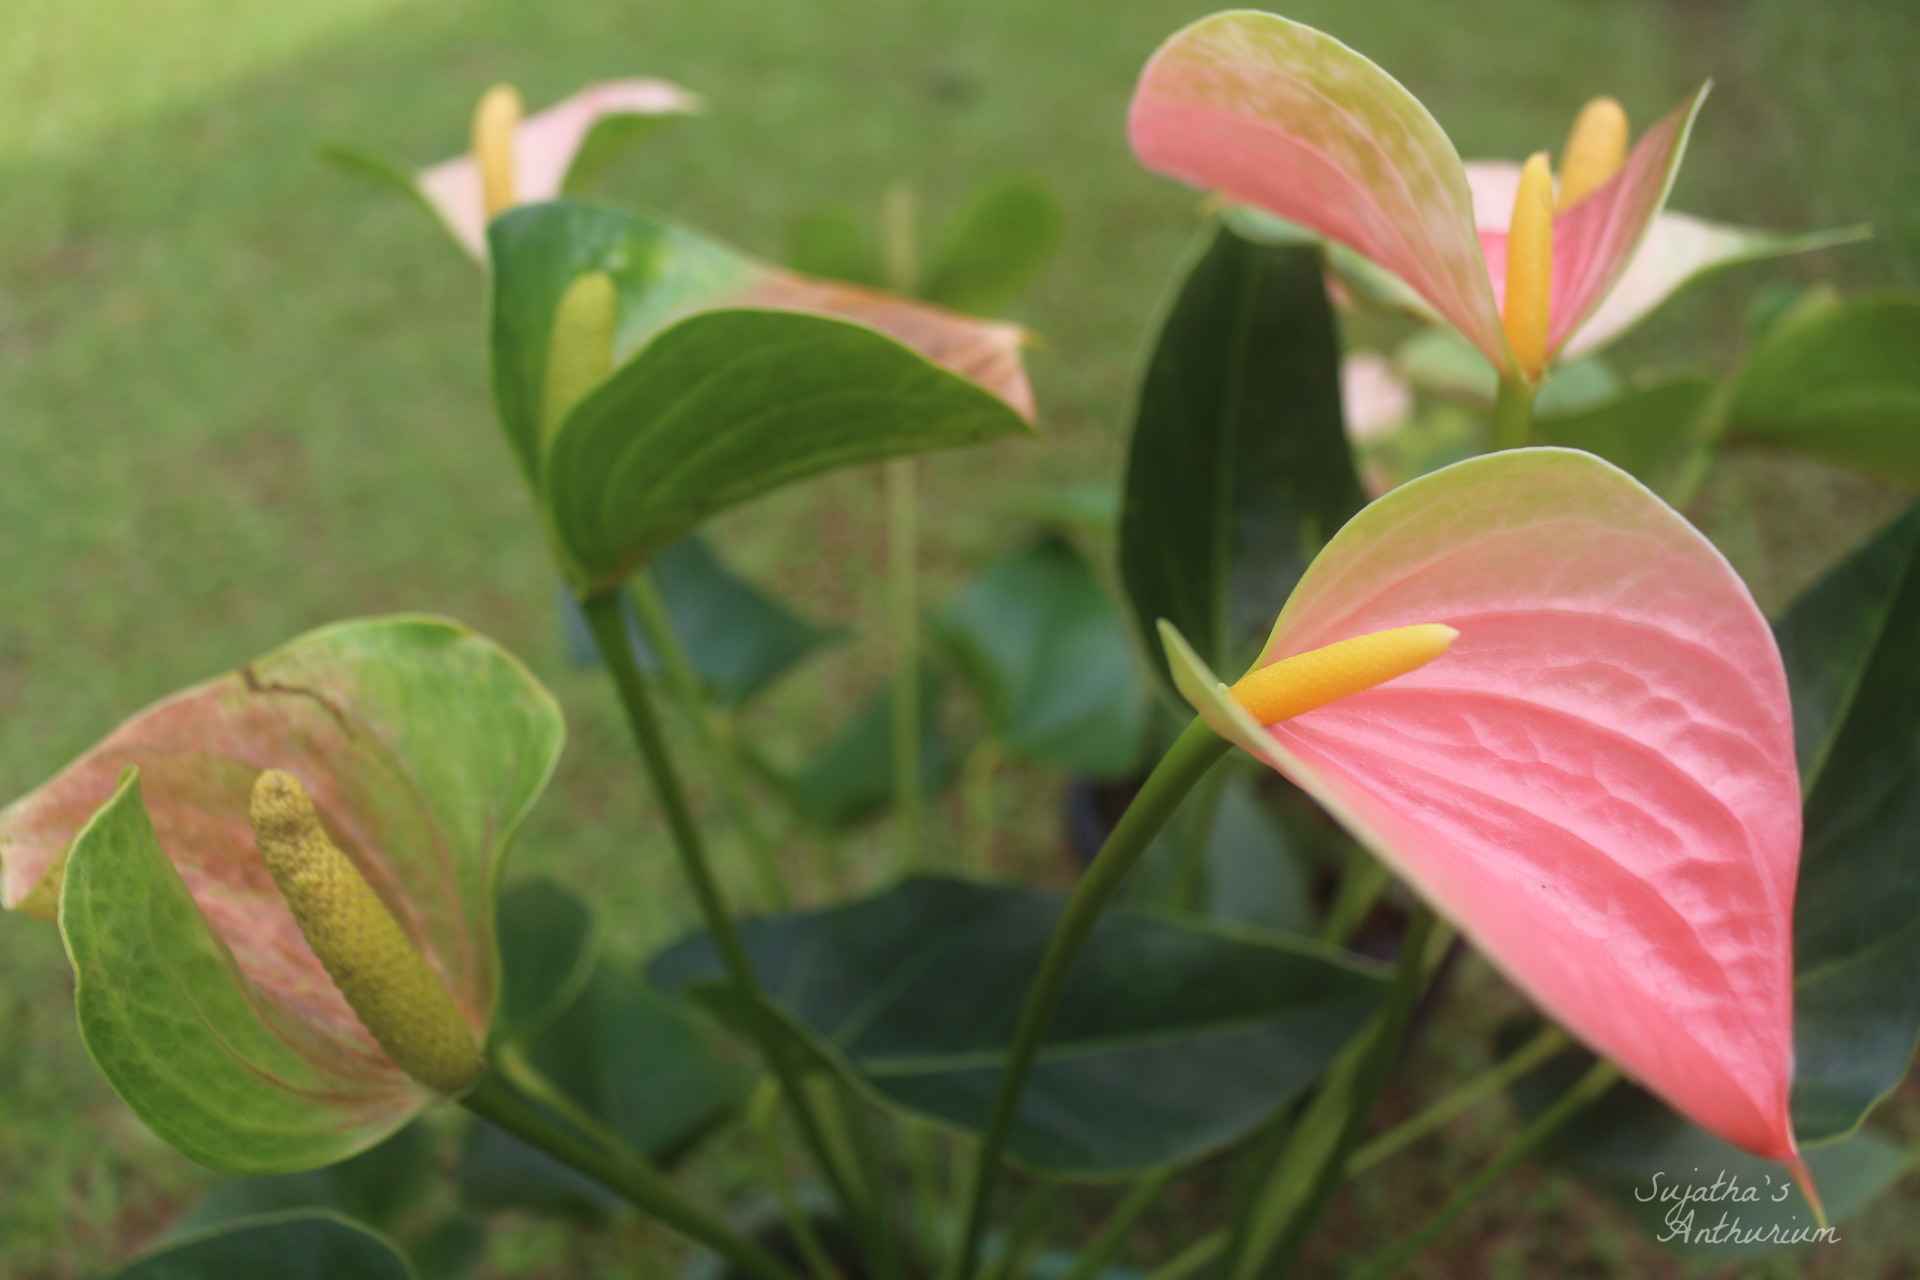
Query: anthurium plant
[[1427, 623]]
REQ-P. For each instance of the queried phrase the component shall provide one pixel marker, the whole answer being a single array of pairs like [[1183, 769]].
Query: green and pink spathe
[[423, 746], [1288, 119]]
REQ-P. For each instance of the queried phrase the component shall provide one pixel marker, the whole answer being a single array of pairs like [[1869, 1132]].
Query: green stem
[[851, 1117], [511, 1061], [922, 1146], [1598, 1079], [900, 249], [1487, 1083], [606, 620], [1513, 412], [1362, 882], [1185, 763], [903, 608], [1028, 1233], [656, 624], [1100, 1250], [1708, 428], [493, 1099], [1286, 1198], [762, 1118], [983, 763], [1190, 1260]]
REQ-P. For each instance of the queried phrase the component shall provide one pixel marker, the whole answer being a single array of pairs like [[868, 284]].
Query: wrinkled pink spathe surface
[[543, 150], [1596, 783], [1284, 117]]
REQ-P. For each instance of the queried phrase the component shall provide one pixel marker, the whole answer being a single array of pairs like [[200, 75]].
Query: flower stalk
[[1193, 753], [494, 1100], [607, 621]]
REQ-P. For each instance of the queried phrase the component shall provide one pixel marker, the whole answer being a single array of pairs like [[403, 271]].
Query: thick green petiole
[[608, 624], [1513, 413], [493, 1099], [656, 624], [1185, 763]]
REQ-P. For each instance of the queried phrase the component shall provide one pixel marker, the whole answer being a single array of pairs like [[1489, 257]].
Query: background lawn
[[222, 363]]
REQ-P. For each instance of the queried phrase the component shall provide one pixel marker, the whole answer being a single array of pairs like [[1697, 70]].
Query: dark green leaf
[[1174, 1039], [640, 1064], [1655, 433], [1840, 382], [1649, 1159], [739, 638], [993, 249], [835, 244], [499, 1171], [1849, 644], [375, 1187], [716, 398], [453, 1249], [851, 779], [1258, 861], [289, 1246], [1048, 650], [1309, 1153], [1239, 469], [547, 946]]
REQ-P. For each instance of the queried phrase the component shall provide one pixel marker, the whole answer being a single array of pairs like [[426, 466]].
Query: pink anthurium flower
[[1595, 777], [1290, 120], [396, 756], [1677, 248], [542, 150]]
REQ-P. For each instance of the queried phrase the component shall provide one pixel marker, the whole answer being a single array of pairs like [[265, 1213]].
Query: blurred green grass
[[242, 395]]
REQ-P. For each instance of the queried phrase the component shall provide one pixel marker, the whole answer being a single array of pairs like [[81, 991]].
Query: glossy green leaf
[[1309, 1154], [289, 1246], [739, 639], [851, 778], [1651, 1161], [1239, 468], [423, 746], [1239, 852], [1048, 650], [733, 378], [374, 1188], [1174, 1038], [1258, 860], [1656, 433], [548, 945], [453, 1249], [994, 248], [1849, 644], [498, 1171], [638, 1063], [1839, 382]]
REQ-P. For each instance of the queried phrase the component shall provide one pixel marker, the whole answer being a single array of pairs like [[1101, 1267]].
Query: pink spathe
[[1278, 115], [1597, 781]]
